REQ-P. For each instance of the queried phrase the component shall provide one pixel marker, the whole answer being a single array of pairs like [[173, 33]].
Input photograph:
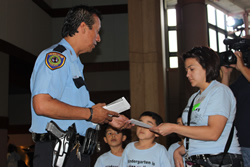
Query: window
[[172, 38], [211, 14], [220, 18], [171, 17], [212, 39], [221, 38], [218, 29], [173, 62]]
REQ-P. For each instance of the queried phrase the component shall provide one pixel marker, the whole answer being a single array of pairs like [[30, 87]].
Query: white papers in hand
[[118, 105], [139, 123]]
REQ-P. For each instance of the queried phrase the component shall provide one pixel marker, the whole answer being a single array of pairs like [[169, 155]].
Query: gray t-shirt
[[156, 156], [107, 160], [216, 99]]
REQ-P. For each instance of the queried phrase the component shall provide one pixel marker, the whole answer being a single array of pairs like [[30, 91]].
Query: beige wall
[[24, 24]]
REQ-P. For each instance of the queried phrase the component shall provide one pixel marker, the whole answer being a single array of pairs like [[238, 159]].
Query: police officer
[[59, 92]]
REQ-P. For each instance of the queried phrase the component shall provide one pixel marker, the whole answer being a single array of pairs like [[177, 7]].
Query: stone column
[[147, 62], [191, 31]]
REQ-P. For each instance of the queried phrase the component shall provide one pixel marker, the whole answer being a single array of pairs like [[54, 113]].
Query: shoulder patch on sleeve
[[54, 60]]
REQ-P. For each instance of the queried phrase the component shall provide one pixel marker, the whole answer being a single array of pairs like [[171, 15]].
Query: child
[[176, 145], [114, 138], [146, 152]]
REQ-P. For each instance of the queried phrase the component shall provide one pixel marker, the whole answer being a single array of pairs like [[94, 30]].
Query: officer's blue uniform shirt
[[53, 74]]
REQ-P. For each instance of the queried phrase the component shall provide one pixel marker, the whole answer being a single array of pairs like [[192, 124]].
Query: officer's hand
[[121, 122], [101, 115]]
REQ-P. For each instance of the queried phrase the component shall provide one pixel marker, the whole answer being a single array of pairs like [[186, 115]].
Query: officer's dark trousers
[[43, 156]]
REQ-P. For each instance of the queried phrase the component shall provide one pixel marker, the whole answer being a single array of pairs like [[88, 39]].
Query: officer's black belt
[[46, 137]]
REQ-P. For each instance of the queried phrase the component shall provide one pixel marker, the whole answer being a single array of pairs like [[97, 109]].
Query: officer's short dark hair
[[208, 59], [155, 116], [76, 16]]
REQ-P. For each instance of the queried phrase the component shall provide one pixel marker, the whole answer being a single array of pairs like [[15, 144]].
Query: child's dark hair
[[107, 126], [154, 115]]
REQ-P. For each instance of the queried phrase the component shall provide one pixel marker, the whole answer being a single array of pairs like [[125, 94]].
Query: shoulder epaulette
[[59, 48]]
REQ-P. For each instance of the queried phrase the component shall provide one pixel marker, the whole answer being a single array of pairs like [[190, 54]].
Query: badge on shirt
[[54, 60]]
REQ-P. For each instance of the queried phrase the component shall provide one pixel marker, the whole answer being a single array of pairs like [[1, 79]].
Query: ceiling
[[235, 8]]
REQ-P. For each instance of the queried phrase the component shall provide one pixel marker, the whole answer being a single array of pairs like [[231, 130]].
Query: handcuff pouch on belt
[[90, 141]]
